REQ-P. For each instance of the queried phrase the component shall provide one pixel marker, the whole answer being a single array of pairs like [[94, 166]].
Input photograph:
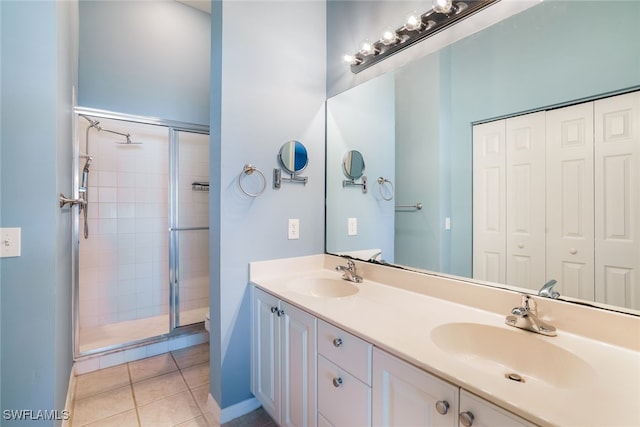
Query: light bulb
[[367, 48], [351, 59], [442, 6], [414, 22], [389, 37]]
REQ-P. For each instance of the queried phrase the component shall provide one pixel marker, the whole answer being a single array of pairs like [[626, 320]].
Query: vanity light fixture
[[417, 27]]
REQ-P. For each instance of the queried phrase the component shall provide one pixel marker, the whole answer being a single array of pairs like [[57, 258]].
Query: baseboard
[[71, 395], [232, 412]]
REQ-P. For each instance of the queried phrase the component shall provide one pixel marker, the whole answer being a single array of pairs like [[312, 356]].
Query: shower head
[[129, 142]]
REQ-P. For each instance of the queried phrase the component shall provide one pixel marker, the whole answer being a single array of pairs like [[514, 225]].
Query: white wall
[[268, 87]]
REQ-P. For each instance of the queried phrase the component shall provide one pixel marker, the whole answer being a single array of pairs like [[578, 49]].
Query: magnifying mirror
[[293, 157], [353, 164]]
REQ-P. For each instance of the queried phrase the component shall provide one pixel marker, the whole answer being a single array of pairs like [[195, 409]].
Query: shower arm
[[126, 135]]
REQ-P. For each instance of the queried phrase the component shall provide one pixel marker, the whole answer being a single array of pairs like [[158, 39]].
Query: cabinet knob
[[442, 406], [521, 245], [280, 313], [573, 251], [337, 342], [337, 382], [274, 309], [466, 419]]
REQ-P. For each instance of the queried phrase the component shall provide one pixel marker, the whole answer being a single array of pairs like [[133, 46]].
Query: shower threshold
[[113, 334]]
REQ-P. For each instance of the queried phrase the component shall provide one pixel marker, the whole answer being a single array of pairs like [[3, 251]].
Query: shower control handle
[[64, 200]]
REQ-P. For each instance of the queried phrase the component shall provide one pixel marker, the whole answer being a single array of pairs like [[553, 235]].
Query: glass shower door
[[190, 228]]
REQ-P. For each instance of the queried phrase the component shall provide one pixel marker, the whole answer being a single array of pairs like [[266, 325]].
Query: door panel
[[617, 204]]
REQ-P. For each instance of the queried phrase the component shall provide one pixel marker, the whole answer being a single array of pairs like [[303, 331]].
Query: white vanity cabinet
[[404, 395], [477, 412], [344, 378], [283, 376]]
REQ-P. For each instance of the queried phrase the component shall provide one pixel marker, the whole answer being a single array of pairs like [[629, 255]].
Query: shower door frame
[[173, 128]]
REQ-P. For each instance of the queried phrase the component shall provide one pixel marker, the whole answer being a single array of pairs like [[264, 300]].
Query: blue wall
[[356, 120], [270, 57], [38, 74], [147, 58]]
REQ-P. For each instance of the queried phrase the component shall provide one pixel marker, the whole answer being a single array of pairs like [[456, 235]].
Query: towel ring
[[248, 169], [382, 181]]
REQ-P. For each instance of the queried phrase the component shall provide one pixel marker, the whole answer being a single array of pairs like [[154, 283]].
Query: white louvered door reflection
[[570, 215], [525, 201], [617, 201], [489, 223]]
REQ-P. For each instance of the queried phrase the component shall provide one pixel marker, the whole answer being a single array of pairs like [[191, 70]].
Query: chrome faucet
[[547, 290], [349, 272], [526, 317]]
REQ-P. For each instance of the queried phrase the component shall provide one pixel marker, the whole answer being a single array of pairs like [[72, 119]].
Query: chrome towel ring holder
[[249, 169], [382, 181]]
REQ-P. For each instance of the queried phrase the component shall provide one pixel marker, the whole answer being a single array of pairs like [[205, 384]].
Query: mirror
[[353, 164], [293, 157], [554, 54]]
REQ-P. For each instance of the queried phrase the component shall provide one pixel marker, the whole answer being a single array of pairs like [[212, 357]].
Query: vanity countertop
[[398, 310]]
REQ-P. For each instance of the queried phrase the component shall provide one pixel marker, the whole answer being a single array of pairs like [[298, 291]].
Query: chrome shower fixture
[[417, 27]]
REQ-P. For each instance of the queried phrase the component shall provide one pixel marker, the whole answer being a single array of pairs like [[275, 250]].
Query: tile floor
[[166, 390]]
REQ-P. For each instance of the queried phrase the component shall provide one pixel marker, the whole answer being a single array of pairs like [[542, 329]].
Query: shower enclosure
[[141, 234]]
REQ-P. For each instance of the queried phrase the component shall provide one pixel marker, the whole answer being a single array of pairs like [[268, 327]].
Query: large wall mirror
[[415, 126]]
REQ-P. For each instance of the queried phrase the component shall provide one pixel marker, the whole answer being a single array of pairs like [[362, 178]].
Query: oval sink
[[323, 287], [504, 352]]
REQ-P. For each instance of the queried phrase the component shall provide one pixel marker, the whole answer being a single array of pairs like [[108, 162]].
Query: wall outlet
[[352, 226], [294, 229], [9, 242]]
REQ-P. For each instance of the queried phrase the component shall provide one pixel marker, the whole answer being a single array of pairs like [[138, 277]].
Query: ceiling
[[203, 5]]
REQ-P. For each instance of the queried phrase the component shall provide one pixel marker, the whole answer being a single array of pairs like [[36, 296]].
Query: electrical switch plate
[[294, 228], [447, 223], [352, 226], [9, 242]]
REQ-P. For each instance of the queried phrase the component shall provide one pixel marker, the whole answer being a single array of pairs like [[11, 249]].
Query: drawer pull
[[274, 309], [337, 342], [442, 406], [466, 419], [280, 313], [337, 382]]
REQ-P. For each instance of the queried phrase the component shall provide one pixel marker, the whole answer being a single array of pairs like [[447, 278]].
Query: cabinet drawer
[[346, 403], [345, 350]]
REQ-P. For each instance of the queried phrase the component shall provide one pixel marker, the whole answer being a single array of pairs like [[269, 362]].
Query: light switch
[[294, 228], [9, 242], [352, 226], [447, 223]]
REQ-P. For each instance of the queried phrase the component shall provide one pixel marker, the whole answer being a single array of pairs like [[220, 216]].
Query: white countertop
[[396, 311]]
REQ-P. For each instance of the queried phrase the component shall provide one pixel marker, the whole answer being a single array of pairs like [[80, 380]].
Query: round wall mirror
[[353, 164], [293, 157]]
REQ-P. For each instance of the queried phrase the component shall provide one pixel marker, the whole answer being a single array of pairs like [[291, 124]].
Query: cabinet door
[[570, 219], [404, 395], [617, 200], [486, 414], [265, 374], [298, 361], [489, 198], [526, 198]]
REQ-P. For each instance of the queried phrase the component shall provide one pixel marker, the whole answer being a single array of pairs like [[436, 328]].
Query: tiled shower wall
[[124, 264]]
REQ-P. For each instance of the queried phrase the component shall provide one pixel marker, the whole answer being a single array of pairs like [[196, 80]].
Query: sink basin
[[504, 352], [323, 287]]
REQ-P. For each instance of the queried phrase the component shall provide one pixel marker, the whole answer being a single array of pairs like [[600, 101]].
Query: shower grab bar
[[187, 228], [417, 206]]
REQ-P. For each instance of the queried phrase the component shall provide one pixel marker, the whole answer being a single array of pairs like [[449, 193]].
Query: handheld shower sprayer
[[85, 175]]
